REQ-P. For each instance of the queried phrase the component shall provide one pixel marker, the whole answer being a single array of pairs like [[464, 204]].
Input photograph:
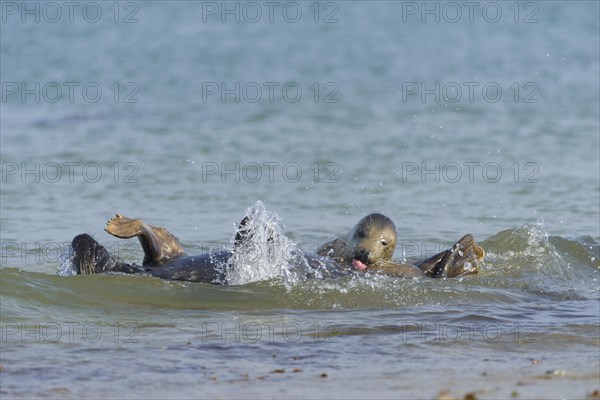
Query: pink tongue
[[359, 264]]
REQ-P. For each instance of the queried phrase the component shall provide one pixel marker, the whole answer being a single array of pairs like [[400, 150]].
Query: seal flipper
[[462, 259], [436, 266], [158, 243]]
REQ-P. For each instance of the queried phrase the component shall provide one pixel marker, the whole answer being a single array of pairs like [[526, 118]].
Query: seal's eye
[[383, 242]]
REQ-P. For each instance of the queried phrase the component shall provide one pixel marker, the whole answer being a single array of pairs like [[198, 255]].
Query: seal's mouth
[[359, 264]]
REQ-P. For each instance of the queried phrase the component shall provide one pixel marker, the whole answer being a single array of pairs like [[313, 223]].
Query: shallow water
[[527, 326]]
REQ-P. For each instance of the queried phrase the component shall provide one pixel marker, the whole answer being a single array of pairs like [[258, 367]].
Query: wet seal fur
[[164, 256], [369, 247], [370, 244]]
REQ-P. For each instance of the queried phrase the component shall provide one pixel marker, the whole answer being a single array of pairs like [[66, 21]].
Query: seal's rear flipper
[[89, 257], [436, 266], [463, 258], [158, 243]]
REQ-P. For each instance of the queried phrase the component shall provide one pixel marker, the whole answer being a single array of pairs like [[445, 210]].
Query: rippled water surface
[[517, 168]]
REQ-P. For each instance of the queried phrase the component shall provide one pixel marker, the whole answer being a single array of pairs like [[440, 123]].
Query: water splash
[[526, 259], [67, 268], [532, 247], [266, 253], [530, 259]]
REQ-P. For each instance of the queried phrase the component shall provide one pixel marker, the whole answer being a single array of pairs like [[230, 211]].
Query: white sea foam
[[266, 253], [67, 268]]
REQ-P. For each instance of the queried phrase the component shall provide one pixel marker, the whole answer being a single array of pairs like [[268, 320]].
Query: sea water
[[185, 114]]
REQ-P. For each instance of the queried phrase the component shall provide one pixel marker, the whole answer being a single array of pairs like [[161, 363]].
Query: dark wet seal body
[[164, 256], [92, 258], [369, 246]]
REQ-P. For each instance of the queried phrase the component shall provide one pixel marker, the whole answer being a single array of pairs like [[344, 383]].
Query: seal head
[[370, 242], [374, 238]]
